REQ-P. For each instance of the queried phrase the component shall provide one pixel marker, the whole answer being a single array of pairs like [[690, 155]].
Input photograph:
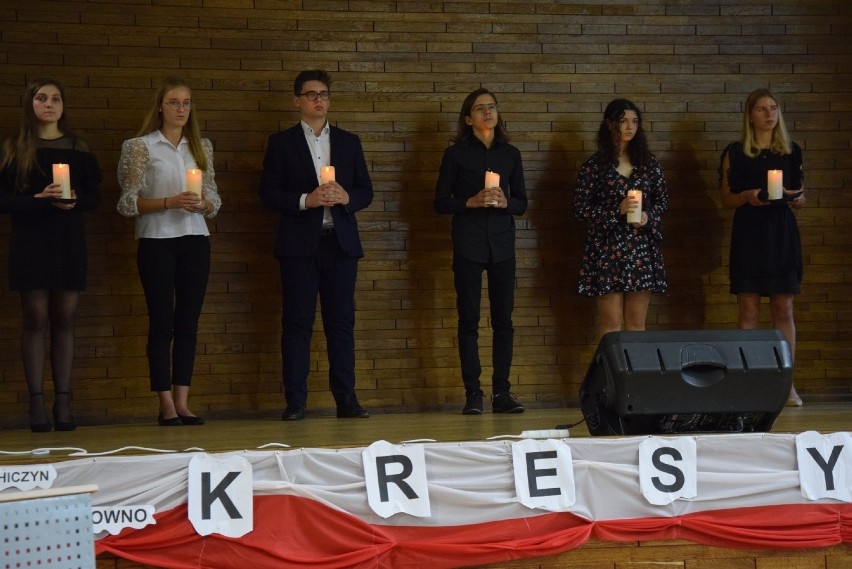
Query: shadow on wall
[[559, 237], [428, 304], [692, 247]]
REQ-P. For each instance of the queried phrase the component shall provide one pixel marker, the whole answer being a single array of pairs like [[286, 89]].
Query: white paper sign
[[26, 478], [220, 495], [396, 479], [825, 465], [113, 519], [544, 475], [668, 469]]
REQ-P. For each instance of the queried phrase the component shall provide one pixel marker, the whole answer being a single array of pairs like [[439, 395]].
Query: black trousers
[[467, 276], [174, 274], [331, 275]]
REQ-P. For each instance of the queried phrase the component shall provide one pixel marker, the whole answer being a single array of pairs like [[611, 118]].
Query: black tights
[[54, 309]]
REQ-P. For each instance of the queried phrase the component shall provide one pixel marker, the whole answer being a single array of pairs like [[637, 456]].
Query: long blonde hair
[[780, 143], [191, 131]]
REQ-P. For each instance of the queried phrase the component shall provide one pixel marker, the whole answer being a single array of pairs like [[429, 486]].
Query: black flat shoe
[[191, 419], [170, 422]]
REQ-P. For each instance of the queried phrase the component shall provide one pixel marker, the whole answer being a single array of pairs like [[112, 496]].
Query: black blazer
[[289, 172]]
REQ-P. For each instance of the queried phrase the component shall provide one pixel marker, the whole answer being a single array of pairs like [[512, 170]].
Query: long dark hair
[[464, 131], [191, 130], [22, 149], [608, 132]]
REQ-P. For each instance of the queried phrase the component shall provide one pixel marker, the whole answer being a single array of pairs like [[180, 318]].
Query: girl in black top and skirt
[[47, 246]]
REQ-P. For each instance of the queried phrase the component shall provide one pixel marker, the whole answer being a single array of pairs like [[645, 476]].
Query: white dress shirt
[[152, 167], [320, 147]]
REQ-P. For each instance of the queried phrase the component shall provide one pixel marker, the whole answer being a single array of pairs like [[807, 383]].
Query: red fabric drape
[[298, 532]]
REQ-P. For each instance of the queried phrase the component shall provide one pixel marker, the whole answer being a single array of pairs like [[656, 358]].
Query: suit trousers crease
[[329, 274]]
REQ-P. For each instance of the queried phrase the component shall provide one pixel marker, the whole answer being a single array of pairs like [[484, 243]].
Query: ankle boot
[[68, 425], [37, 411]]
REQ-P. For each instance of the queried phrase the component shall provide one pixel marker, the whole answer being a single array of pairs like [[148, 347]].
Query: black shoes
[[68, 424], [37, 410], [179, 421], [351, 409], [293, 412], [170, 422], [191, 419], [473, 403], [505, 403]]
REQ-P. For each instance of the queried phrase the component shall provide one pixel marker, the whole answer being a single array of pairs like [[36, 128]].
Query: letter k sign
[[220, 495]]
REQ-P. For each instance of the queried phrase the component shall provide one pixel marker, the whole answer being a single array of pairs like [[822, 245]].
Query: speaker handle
[[702, 365]]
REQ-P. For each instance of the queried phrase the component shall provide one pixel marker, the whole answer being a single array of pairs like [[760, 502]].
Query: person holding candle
[[622, 263], [765, 251], [318, 244], [481, 184], [157, 172], [47, 245]]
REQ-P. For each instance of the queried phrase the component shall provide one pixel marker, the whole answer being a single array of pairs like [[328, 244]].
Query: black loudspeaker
[[687, 382]]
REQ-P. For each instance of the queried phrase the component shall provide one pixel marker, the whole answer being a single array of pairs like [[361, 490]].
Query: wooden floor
[[323, 432]]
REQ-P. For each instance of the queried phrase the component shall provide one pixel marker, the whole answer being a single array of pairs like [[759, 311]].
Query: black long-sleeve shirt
[[481, 234]]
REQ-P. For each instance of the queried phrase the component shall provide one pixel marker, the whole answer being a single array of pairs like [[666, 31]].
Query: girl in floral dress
[[622, 263]]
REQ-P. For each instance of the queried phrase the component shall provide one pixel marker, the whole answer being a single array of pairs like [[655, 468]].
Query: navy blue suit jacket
[[289, 172]]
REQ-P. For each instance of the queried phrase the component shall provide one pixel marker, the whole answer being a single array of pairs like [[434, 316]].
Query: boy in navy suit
[[317, 245]]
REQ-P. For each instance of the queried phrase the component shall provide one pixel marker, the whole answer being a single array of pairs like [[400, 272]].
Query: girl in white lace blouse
[[173, 254]]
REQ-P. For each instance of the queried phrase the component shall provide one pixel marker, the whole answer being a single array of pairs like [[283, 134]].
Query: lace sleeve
[[131, 175], [208, 181]]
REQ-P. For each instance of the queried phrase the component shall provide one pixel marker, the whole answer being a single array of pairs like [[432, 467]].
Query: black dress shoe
[[294, 412], [351, 410], [191, 419], [170, 422]]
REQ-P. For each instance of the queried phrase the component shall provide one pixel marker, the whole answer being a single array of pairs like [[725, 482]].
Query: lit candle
[[326, 174], [492, 180], [62, 176], [635, 216], [774, 179], [193, 181]]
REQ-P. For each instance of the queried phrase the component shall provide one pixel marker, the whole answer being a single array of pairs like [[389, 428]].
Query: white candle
[[635, 216], [492, 180], [774, 179], [62, 176], [193, 181], [326, 174]]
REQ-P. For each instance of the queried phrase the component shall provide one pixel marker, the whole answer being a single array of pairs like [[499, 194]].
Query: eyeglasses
[[313, 95], [176, 105], [483, 108]]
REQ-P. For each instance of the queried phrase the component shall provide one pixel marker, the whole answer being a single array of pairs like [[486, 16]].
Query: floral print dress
[[618, 257]]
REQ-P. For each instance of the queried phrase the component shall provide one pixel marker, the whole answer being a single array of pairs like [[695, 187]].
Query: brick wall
[[400, 70]]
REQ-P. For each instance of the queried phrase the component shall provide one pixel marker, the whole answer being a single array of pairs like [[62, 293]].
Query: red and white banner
[[453, 504]]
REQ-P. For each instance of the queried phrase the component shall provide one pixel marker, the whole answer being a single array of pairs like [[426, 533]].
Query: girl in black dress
[[47, 246], [766, 252]]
